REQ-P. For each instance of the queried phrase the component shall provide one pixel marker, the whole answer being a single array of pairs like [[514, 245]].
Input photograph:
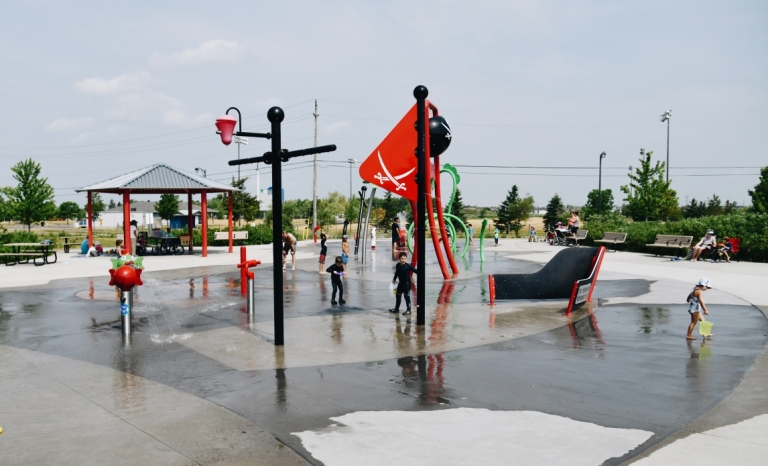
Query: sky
[[93, 90]]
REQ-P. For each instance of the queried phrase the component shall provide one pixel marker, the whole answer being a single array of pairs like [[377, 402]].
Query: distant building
[[146, 216]]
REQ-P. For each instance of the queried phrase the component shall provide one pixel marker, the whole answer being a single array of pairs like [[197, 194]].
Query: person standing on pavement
[[323, 252], [395, 236], [344, 252], [290, 245], [134, 234], [496, 236], [337, 271], [403, 271], [471, 233], [696, 305]]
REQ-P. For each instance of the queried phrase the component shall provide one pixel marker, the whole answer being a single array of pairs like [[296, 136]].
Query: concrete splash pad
[[621, 365]]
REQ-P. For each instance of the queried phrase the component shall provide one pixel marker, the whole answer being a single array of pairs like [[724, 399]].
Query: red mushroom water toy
[[126, 274]]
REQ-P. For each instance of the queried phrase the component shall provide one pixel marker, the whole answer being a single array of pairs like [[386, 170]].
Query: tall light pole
[[351, 163], [666, 116], [600, 186], [631, 191], [314, 181], [205, 173]]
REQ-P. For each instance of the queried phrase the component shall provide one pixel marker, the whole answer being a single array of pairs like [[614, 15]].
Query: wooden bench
[[671, 241], [581, 235], [224, 235], [613, 237]]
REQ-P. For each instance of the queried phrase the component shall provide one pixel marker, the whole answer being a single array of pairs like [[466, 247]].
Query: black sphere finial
[[275, 114], [421, 92]]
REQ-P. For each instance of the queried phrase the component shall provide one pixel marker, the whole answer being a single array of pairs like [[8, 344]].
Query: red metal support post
[[90, 219], [204, 221], [190, 220], [127, 240]]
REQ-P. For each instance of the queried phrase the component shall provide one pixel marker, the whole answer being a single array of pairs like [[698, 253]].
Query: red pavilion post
[[190, 220], [127, 240], [90, 219], [229, 216], [204, 220]]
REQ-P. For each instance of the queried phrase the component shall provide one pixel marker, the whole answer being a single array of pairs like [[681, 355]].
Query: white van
[[82, 223]]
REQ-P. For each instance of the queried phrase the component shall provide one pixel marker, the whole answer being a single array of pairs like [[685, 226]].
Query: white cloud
[[142, 105], [83, 137], [68, 124], [117, 85], [180, 118], [210, 51], [335, 127]]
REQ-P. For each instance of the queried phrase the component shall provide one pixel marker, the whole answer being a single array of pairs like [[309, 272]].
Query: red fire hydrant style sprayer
[[247, 280], [126, 274]]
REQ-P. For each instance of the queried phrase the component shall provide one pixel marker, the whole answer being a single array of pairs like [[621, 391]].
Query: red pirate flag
[[392, 165]]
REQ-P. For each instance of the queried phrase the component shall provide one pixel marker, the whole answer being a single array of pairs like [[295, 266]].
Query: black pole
[[420, 217], [361, 193], [600, 187], [276, 115]]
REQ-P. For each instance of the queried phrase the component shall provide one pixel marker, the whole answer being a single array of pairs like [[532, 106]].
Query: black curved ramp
[[554, 281]]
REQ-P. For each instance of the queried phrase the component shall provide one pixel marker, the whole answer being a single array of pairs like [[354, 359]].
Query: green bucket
[[705, 328]]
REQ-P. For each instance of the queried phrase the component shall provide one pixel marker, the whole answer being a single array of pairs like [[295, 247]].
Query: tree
[[167, 207], [648, 195], [244, 205], [759, 195], [69, 209], [330, 206], [555, 212], [111, 204], [714, 206], [513, 211], [32, 199], [97, 205], [457, 209], [593, 203]]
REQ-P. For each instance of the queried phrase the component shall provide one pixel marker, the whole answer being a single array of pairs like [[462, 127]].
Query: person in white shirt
[[134, 236], [707, 243]]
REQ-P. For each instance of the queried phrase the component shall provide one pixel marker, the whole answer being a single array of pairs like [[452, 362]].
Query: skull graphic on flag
[[392, 165]]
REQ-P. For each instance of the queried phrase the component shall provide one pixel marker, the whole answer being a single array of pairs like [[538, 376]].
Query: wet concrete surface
[[621, 365]]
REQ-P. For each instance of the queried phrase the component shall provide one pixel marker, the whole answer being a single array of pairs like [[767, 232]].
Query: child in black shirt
[[402, 277], [337, 270], [323, 252]]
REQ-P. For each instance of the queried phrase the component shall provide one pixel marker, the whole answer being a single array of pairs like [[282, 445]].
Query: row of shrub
[[751, 228]]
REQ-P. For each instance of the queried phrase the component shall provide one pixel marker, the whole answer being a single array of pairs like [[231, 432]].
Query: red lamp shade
[[226, 124]]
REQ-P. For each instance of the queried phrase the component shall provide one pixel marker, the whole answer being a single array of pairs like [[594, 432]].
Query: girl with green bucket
[[696, 305]]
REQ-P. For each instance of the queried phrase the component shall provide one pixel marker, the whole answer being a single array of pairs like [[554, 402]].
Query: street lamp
[[205, 173], [600, 186], [351, 163], [666, 116]]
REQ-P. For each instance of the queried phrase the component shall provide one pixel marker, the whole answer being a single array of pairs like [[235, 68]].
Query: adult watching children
[[707, 243]]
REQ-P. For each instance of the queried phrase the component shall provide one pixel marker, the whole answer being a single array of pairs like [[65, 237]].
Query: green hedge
[[752, 229]]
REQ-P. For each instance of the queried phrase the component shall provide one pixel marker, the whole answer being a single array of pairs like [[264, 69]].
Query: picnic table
[[22, 252], [165, 245], [76, 241]]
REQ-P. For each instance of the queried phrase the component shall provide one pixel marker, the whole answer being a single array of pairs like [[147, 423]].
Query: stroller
[[141, 244], [560, 238]]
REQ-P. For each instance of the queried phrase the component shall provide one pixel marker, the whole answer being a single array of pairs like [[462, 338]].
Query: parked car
[[82, 223]]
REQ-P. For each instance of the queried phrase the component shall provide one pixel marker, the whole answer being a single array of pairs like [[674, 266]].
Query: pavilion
[[160, 179]]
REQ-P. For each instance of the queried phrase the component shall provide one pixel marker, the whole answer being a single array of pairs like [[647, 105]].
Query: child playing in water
[[344, 252], [402, 277], [337, 271], [323, 252], [696, 305]]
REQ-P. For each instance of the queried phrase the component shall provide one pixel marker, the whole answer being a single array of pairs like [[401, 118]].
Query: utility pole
[[239, 140], [314, 179]]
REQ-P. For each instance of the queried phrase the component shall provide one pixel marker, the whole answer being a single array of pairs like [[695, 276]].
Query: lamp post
[[600, 186], [205, 172], [351, 163], [226, 126], [666, 116]]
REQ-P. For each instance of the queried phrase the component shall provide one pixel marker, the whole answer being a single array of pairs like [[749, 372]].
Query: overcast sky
[[94, 90]]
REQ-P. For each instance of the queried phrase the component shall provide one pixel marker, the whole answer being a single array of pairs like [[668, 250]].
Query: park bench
[[613, 237], [224, 235], [581, 235], [671, 241], [16, 257]]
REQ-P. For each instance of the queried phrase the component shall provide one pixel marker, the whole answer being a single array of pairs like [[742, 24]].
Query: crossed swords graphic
[[394, 179]]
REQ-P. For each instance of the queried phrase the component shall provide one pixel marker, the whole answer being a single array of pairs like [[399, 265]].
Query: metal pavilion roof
[[157, 179]]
